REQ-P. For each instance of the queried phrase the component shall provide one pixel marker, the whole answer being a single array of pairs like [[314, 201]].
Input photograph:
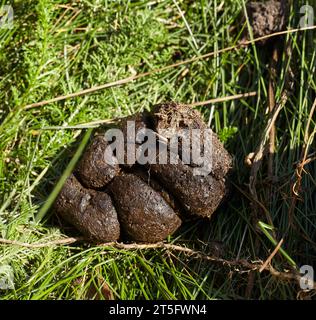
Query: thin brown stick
[[240, 266], [296, 186], [145, 74], [223, 99], [268, 135], [82, 92], [274, 252], [97, 123], [271, 101], [258, 155], [307, 138], [59, 242]]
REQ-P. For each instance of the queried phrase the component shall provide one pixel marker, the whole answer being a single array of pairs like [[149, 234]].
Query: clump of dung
[[110, 201], [91, 212], [267, 17]]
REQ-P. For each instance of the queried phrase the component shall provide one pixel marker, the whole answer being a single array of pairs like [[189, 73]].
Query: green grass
[[60, 47]]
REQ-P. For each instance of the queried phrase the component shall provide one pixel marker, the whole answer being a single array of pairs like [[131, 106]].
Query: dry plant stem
[[145, 74], [253, 178], [269, 134], [59, 242], [271, 144], [296, 186], [240, 266], [223, 99], [258, 155], [251, 276], [261, 148], [97, 123], [250, 284], [274, 252], [273, 73]]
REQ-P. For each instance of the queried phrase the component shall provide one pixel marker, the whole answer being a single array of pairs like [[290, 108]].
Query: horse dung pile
[[144, 188]]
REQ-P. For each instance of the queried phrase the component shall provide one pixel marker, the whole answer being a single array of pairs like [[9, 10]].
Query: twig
[[274, 252], [240, 266], [268, 136], [82, 92], [271, 102], [98, 123], [224, 99], [145, 74], [296, 186], [303, 161], [59, 242], [258, 155]]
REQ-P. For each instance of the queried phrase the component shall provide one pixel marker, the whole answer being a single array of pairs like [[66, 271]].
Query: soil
[[144, 203]]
